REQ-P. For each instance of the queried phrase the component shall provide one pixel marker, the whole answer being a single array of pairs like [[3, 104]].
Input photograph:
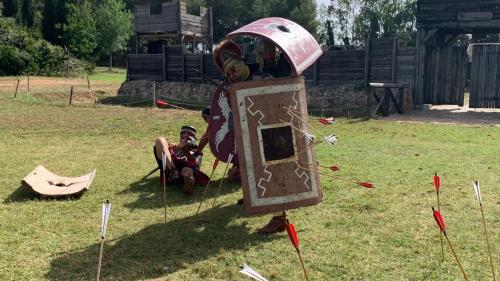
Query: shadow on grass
[[125, 101], [23, 194], [161, 249], [151, 193]]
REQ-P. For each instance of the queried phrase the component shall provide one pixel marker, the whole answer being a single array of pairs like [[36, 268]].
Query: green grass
[[102, 74], [386, 233]]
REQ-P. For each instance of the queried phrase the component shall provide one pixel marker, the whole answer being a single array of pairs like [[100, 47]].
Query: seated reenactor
[[182, 160]]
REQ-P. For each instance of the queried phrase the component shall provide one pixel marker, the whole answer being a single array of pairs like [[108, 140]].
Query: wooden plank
[[471, 16]]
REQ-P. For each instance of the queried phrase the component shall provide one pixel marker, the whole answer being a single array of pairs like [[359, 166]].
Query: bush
[[23, 52]]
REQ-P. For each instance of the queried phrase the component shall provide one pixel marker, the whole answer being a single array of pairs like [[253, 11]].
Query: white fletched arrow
[[477, 190], [250, 272], [106, 209], [164, 161], [309, 137], [330, 139], [230, 158]]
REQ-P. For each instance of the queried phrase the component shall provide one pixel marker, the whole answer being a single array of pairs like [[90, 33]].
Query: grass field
[[101, 74], [386, 233]]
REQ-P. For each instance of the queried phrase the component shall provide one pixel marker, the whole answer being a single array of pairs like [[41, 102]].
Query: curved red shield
[[221, 133]]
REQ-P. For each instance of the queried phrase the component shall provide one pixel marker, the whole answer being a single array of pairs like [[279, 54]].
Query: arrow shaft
[[100, 259], [302, 264], [165, 195], [312, 128], [456, 257], [440, 233], [220, 184], [328, 175], [488, 243], [205, 191]]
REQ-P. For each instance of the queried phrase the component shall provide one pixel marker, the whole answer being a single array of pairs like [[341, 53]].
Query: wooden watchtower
[[173, 24], [441, 68]]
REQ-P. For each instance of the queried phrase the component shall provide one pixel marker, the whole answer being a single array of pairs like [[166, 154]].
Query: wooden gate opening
[[441, 68]]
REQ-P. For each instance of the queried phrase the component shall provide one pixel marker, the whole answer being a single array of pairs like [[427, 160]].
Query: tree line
[[92, 30]]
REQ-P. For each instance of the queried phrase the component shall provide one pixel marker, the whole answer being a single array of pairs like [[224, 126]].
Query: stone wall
[[345, 101]]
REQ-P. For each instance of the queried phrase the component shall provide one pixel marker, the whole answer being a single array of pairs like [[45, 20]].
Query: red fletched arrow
[[216, 162], [161, 103], [292, 234], [366, 184], [439, 220], [334, 168], [326, 121], [437, 182]]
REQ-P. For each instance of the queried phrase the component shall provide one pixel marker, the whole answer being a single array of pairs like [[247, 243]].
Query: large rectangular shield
[[276, 159]]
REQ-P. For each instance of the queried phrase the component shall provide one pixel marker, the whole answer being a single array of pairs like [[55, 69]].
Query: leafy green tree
[[53, 17], [304, 13], [11, 8], [386, 18], [114, 27], [80, 33], [28, 13]]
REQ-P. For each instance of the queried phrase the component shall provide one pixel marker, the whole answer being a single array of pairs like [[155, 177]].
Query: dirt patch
[[450, 114], [57, 90]]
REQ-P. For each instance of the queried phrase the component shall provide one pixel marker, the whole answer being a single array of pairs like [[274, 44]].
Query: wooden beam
[[430, 34], [490, 24], [471, 16], [395, 101], [449, 40]]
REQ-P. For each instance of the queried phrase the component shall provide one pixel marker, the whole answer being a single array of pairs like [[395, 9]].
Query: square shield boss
[[275, 157]]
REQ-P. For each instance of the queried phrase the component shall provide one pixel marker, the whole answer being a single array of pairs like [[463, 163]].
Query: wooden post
[[166, 62], [164, 66], [88, 84], [385, 102], [154, 94], [71, 95], [369, 102], [418, 99], [28, 84], [315, 73], [126, 66], [394, 58], [183, 64], [136, 43], [179, 25], [17, 87], [202, 68], [211, 30], [367, 61], [436, 94]]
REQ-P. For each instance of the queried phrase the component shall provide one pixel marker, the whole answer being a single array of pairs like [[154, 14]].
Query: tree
[[304, 13], [28, 13], [114, 27], [80, 34], [386, 18], [53, 18], [11, 8]]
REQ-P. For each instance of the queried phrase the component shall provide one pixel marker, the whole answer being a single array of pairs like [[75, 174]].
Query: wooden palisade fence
[[384, 61]]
